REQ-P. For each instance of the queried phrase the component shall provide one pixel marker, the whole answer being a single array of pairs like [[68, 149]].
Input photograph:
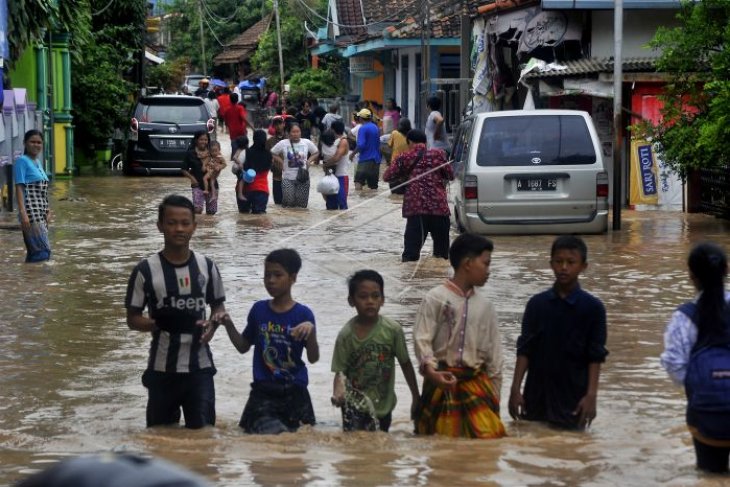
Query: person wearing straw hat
[[203, 89], [368, 149]]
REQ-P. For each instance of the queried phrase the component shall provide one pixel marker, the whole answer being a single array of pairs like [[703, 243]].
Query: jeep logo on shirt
[[183, 304]]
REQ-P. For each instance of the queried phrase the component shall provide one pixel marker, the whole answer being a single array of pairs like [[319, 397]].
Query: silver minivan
[[529, 172]]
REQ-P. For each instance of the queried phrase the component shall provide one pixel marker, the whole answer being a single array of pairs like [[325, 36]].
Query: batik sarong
[[470, 410], [35, 200], [294, 193]]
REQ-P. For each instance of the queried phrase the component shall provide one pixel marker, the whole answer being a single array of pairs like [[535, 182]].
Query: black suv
[[161, 130]]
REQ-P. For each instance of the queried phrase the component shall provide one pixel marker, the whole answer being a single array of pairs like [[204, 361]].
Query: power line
[[213, 32], [99, 12], [368, 24], [217, 18]]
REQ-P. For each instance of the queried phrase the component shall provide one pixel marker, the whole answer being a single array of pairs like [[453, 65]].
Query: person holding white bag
[[335, 151]]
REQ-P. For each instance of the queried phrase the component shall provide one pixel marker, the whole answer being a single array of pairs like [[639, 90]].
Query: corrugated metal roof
[[595, 65], [609, 4]]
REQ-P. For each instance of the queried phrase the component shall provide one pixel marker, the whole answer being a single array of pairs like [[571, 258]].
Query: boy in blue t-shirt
[[279, 329]]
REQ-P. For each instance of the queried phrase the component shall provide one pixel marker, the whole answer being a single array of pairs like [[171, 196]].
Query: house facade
[[522, 53], [236, 55], [383, 42], [44, 70]]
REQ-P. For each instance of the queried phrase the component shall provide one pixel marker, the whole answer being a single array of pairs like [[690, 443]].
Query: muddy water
[[70, 369]]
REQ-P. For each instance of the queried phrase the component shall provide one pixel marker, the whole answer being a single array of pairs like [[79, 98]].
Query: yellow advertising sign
[[644, 188]]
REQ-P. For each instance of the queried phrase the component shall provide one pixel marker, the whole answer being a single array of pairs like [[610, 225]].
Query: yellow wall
[[59, 148], [373, 88]]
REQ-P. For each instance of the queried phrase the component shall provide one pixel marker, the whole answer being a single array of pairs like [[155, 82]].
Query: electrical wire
[[217, 18], [99, 12], [368, 24], [310, 19], [213, 32]]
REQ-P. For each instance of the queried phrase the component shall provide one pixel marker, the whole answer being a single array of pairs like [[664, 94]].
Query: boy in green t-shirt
[[364, 359]]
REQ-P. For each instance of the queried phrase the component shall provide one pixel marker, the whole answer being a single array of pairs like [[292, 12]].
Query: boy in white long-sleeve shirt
[[459, 349]]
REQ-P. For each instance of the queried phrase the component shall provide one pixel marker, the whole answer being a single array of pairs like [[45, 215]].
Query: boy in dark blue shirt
[[561, 347], [280, 329]]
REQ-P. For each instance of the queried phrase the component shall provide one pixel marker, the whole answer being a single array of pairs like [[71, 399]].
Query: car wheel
[[126, 169]]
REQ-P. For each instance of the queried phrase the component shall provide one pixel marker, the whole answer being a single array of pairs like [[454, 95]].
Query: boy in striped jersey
[[176, 285]]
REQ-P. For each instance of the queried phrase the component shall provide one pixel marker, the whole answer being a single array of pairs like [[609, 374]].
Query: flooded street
[[70, 371]]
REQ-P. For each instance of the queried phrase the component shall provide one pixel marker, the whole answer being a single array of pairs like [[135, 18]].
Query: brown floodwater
[[70, 368]]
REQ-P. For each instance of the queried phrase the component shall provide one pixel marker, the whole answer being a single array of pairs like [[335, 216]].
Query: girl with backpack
[[697, 355]]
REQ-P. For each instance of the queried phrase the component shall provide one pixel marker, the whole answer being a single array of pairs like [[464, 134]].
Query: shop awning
[[537, 69], [609, 4]]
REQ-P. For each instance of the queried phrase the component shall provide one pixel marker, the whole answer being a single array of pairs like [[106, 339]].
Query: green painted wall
[[24, 74]]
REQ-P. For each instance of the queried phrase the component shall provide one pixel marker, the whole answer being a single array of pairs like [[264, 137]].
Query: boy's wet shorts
[[168, 393], [274, 408], [353, 420]]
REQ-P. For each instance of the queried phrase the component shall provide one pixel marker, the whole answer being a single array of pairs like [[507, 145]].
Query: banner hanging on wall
[[644, 181]]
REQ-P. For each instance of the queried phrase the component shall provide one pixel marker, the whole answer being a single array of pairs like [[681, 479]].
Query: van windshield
[[535, 140]]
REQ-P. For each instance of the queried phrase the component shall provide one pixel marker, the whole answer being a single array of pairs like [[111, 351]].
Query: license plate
[[537, 184], [174, 143]]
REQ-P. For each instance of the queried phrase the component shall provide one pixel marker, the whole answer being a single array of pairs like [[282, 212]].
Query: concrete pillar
[[62, 105], [42, 98]]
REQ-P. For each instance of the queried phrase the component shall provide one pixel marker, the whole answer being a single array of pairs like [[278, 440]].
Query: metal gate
[[715, 191]]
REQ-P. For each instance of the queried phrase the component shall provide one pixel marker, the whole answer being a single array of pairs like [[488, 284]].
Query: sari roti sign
[[644, 190]]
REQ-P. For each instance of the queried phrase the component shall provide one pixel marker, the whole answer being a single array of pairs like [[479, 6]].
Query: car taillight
[[133, 129], [211, 125], [602, 185], [471, 191]]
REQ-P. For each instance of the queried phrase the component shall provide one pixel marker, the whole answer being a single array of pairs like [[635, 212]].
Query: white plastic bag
[[328, 185]]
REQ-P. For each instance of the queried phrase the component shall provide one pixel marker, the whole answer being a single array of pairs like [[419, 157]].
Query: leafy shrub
[[313, 83], [169, 75]]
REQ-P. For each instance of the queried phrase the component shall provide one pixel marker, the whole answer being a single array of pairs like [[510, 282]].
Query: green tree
[[101, 92], [223, 20], [313, 83], [695, 132], [294, 51], [29, 19], [169, 75]]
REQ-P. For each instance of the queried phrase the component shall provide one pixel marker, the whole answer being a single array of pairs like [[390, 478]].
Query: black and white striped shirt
[[189, 288]]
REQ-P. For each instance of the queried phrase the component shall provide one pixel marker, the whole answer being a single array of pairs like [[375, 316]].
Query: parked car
[[529, 172], [191, 83], [160, 132]]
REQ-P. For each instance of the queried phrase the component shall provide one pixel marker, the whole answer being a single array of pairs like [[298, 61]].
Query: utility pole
[[281, 56], [618, 33], [202, 39], [465, 59], [425, 85]]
